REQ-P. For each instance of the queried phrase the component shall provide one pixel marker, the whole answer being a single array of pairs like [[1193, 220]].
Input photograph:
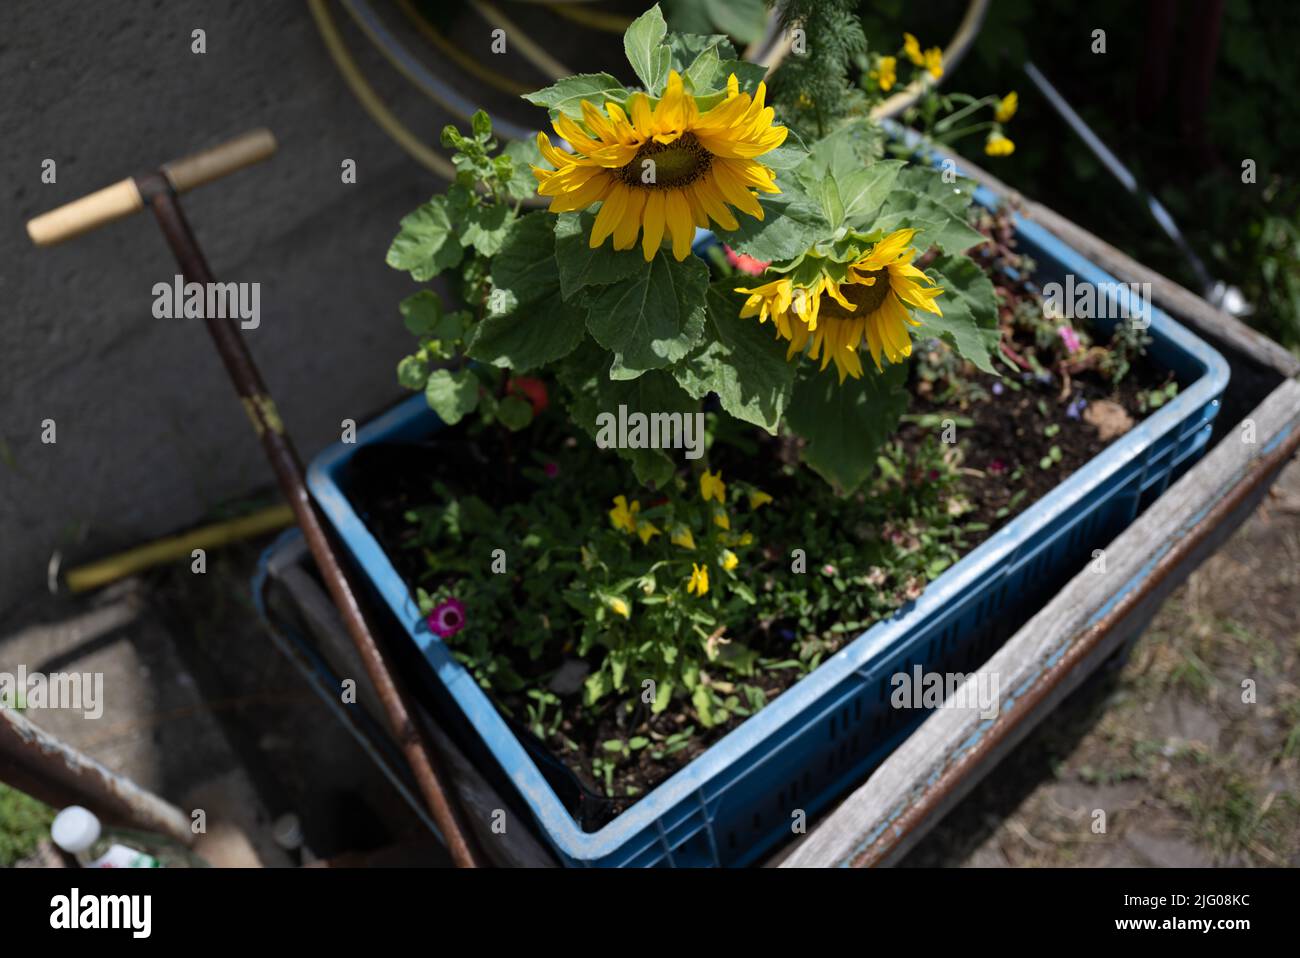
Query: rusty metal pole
[[39, 764], [156, 191]]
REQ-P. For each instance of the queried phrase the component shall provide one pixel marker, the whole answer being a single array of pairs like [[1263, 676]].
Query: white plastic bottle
[[78, 832]]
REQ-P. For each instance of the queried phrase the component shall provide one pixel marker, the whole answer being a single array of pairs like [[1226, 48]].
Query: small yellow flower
[[647, 531], [619, 607], [1007, 107], [721, 520], [934, 62], [729, 560], [745, 539], [712, 486], [623, 516], [758, 498], [682, 537], [998, 145], [885, 75], [913, 49], [699, 583]]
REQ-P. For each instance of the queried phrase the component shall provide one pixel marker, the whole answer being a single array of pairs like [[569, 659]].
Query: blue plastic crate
[[824, 734]]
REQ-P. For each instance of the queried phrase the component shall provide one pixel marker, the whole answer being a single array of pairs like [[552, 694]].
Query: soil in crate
[[1022, 434]]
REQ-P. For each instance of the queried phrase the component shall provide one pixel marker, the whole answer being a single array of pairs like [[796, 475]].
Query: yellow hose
[[461, 58], [533, 52], [370, 101], [96, 574], [596, 19]]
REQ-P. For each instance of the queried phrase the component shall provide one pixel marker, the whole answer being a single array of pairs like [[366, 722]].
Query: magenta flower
[[447, 618], [997, 467], [552, 469], [1070, 338]]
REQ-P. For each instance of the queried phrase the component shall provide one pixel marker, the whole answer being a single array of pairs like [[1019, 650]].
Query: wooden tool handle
[[222, 160], [123, 198], [88, 213]]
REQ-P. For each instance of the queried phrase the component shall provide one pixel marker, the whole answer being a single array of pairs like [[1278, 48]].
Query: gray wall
[[150, 436]]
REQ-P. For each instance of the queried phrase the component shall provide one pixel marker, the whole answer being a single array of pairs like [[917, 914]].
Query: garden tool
[[160, 190]]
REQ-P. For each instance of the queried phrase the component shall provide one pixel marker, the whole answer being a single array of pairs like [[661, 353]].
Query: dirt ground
[[1186, 773]]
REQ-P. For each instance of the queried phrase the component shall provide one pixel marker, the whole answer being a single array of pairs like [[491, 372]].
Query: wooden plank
[[865, 827], [1185, 305]]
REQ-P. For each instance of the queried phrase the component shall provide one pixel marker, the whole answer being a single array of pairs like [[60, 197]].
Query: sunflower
[[666, 167], [870, 303]]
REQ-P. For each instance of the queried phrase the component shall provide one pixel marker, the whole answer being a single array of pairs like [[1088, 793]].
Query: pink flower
[[447, 618], [1070, 338], [744, 262], [552, 469], [997, 466]]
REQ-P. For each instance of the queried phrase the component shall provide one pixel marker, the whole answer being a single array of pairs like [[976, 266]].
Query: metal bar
[[1122, 173], [952, 776], [39, 764], [158, 193]]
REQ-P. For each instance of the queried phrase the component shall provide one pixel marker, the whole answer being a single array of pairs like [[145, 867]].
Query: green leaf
[[654, 317], [743, 19], [537, 326], [567, 95], [421, 312], [532, 334], [687, 48], [526, 265], [922, 200], [832, 205], [452, 395], [596, 687], [937, 226], [970, 312], [427, 242], [864, 190], [591, 392], [580, 265], [643, 43], [515, 413], [846, 423], [792, 222], [663, 695], [955, 194], [705, 63], [412, 372], [486, 227], [739, 360], [841, 153], [787, 156], [525, 155]]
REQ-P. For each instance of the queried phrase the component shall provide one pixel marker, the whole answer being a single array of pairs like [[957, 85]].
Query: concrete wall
[[150, 436]]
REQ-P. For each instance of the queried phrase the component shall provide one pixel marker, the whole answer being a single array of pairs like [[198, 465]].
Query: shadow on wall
[[148, 435]]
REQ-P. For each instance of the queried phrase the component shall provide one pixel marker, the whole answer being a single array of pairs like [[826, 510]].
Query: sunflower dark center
[[867, 299], [666, 166]]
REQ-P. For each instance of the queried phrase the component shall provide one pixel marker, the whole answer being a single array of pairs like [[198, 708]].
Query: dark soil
[[1008, 435]]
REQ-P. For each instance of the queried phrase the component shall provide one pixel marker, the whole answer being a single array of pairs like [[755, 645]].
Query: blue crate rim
[[691, 783]]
